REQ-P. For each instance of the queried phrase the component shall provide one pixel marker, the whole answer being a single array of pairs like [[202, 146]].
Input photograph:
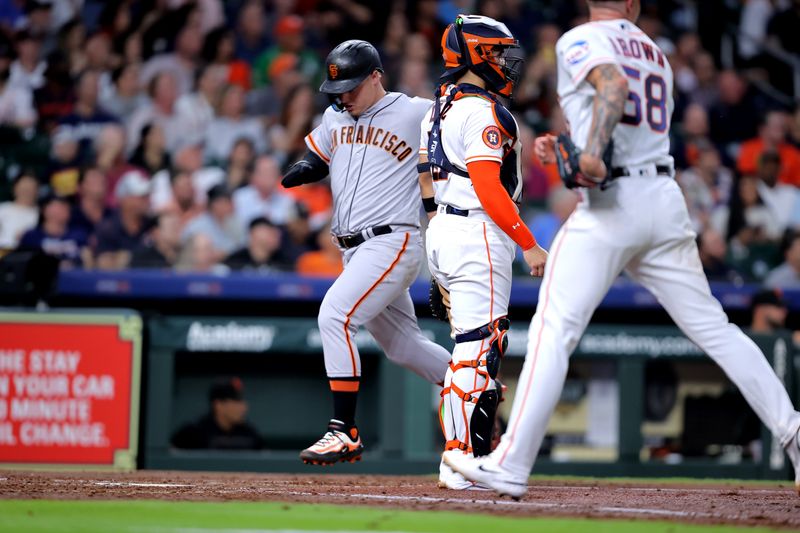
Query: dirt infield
[[737, 504]]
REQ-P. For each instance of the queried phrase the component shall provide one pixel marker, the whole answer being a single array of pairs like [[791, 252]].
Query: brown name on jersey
[[637, 49], [378, 137]]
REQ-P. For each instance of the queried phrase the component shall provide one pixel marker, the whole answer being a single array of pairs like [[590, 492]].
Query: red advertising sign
[[69, 389]]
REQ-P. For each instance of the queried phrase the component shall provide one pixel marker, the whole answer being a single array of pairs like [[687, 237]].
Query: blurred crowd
[[154, 133]]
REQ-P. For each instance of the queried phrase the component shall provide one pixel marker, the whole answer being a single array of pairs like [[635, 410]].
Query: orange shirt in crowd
[[320, 264], [316, 197], [790, 160]]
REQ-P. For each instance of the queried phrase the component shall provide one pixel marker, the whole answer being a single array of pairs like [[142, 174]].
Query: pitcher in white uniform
[[615, 83], [367, 142]]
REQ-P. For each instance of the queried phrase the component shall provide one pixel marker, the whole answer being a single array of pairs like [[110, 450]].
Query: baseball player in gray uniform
[[367, 142]]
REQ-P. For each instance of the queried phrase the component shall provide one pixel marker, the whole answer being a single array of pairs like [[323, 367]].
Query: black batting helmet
[[348, 65]]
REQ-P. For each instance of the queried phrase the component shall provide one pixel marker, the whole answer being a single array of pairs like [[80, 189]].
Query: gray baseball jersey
[[372, 162]]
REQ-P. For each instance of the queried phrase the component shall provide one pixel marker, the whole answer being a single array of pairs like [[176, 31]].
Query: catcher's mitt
[[439, 301], [568, 157]]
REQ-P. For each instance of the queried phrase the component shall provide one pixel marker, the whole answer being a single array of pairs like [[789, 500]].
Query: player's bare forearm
[[609, 104]]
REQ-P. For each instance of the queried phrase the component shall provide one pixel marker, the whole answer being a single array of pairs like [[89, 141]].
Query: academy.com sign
[[625, 344], [230, 337], [617, 343]]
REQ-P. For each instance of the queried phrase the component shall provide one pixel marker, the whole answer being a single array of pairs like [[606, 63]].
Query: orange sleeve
[[485, 176]]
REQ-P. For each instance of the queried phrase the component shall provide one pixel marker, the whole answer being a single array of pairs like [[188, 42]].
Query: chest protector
[[440, 165]]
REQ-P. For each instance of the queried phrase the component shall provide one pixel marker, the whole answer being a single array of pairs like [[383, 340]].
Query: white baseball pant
[[641, 225]]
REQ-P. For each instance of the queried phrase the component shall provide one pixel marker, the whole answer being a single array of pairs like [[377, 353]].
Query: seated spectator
[[184, 200], [218, 222], [160, 246], [263, 197], [91, 207], [750, 214], [772, 135], [87, 120], [55, 98], [287, 136], [163, 93], [289, 40], [54, 237], [109, 150], [218, 52], [325, 262], [240, 164], [781, 199], [769, 311], [692, 131], [16, 103], [707, 187], [224, 427], [734, 118], [63, 167], [713, 251], [124, 96], [297, 237], [188, 157], [263, 241], [27, 71], [151, 152], [123, 232], [251, 35], [787, 274], [199, 255], [232, 124], [196, 109], [752, 249], [181, 63], [21, 214]]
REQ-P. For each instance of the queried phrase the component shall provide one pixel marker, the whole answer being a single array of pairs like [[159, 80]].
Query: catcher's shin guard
[[469, 398]]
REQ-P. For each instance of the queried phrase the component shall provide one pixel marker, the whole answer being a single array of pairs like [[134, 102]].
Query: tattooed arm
[[609, 103]]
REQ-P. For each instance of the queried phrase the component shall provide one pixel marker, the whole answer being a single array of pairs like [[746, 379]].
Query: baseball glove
[[568, 157], [439, 301]]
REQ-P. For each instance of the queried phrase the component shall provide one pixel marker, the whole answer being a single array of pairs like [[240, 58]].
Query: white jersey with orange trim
[[642, 135], [373, 163], [470, 131]]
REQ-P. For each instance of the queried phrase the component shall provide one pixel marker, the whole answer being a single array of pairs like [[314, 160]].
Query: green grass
[[769, 483], [136, 516]]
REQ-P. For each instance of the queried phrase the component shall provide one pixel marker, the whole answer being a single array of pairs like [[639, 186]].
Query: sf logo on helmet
[[333, 71]]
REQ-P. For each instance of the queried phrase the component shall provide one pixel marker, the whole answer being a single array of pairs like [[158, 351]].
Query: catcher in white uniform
[[470, 156], [367, 142], [615, 85]]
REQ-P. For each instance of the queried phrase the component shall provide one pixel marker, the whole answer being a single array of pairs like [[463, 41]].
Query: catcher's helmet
[[348, 65], [492, 52]]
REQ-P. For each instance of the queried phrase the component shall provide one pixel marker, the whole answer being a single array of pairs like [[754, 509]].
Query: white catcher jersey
[[372, 163], [469, 131], [642, 136]]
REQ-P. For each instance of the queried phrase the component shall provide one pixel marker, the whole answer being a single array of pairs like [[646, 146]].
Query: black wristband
[[429, 204], [423, 167]]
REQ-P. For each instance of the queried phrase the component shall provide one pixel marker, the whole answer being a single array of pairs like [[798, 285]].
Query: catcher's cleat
[[793, 451], [338, 445], [485, 471], [448, 479]]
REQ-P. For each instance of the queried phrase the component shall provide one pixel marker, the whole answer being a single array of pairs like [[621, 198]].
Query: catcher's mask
[[346, 67], [486, 47]]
